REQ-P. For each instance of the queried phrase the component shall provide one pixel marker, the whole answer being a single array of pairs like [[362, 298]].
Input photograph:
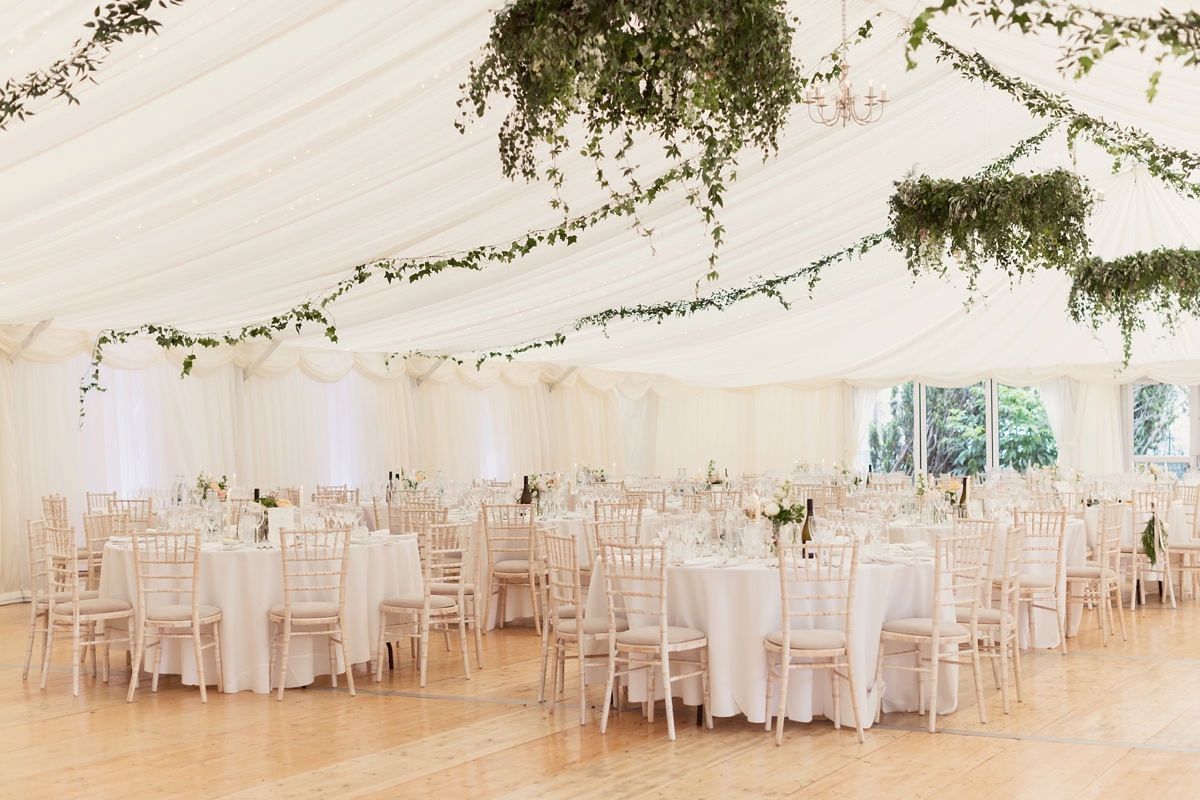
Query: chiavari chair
[[997, 617], [654, 501], [635, 586], [957, 584], [85, 619], [628, 512], [98, 528], [315, 562], [1101, 581], [136, 511], [442, 548], [1045, 583], [1187, 542], [98, 501], [167, 566], [39, 592], [1147, 506], [816, 583], [512, 556]]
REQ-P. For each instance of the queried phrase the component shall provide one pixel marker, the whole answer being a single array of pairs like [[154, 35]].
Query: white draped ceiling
[[249, 156]]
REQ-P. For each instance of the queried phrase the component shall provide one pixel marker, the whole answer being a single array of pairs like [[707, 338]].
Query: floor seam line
[[1049, 739]]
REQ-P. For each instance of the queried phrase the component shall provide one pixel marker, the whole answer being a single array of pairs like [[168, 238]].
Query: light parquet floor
[[1121, 721]]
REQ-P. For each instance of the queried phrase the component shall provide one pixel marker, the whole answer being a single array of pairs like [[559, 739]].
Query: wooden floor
[[1121, 721]]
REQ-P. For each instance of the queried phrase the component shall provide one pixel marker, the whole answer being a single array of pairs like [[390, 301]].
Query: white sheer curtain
[[639, 422], [1090, 422], [587, 429]]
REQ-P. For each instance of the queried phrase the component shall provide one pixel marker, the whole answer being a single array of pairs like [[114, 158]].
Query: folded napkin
[[891, 559]]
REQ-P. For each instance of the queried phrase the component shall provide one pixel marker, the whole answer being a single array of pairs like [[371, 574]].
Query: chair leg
[[609, 680], [462, 641], [879, 683], [49, 649], [936, 646], [379, 648], [669, 706], [785, 662], [1003, 661], [978, 672], [478, 635], [139, 650], [1031, 607], [582, 680], [770, 687], [33, 619], [1016, 655], [341, 634], [1121, 610], [158, 657], [331, 645], [501, 612], [423, 646], [1060, 610], [75, 660], [852, 682], [216, 634], [283, 654], [199, 651], [706, 688], [836, 686], [545, 655]]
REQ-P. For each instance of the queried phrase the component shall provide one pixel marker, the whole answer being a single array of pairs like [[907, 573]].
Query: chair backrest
[[629, 512], [62, 566], [98, 501], [98, 528], [54, 509], [509, 530], [400, 497], [36, 531], [137, 512], [1108, 543], [815, 492], [1043, 537], [958, 574], [443, 548], [167, 564], [817, 580], [615, 530], [725, 498], [1073, 502], [1008, 572], [987, 527], [1190, 497], [315, 562], [655, 501], [415, 516], [1145, 503], [291, 494], [693, 503], [322, 499], [635, 583], [562, 568]]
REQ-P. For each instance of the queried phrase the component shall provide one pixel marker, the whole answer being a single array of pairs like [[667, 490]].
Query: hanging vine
[[111, 24]]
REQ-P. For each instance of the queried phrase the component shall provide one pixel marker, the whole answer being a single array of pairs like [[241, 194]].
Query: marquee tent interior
[[250, 155]]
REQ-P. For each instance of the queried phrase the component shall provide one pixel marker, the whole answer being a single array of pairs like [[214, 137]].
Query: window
[[890, 435], [956, 430], [1025, 436], [1162, 426]]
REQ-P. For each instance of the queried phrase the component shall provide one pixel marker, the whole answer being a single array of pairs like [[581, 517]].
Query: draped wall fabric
[[1091, 423]]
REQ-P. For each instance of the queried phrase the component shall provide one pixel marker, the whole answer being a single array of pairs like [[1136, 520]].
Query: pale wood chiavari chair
[[654, 501], [1186, 543], [512, 556], [694, 503], [324, 499], [54, 509], [291, 494], [400, 497], [380, 509], [1099, 583], [84, 618], [136, 511], [442, 547], [628, 512], [97, 502], [167, 567], [719, 499], [997, 618], [635, 585], [39, 592], [1150, 505], [1073, 502], [467, 568], [315, 563], [1046, 581], [890, 481], [98, 528], [412, 517], [339, 490], [816, 583], [957, 584], [566, 633]]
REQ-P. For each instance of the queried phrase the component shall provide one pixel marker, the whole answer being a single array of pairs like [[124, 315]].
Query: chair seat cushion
[[923, 626], [1087, 572], [94, 606], [986, 616], [178, 612], [310, 610], [65, 597], [450, 588], [811, 639], [1185, 544], [414, 601], [590, 626], [518, 566], [1032, 582], [652, 635]]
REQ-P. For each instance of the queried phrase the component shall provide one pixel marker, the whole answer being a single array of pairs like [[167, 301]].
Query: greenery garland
[[1164, 280], [707, 77], [1090, 34], [111, 24], [1019, 222]]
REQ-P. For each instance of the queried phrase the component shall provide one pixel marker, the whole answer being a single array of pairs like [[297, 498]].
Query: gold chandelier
[[844, 107]]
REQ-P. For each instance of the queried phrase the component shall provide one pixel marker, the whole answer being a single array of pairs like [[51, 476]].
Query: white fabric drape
[[1090, 424]]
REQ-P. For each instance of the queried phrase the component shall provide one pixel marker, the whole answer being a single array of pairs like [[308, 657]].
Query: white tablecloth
[[1074, 555], [245, 583], [737, 606]]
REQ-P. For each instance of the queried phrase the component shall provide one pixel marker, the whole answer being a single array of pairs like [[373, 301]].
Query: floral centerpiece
[[919, 485], [591, 475], [543, 488], [272, 500], [783, 508], [714, 478], [206, 484], [411, 480]]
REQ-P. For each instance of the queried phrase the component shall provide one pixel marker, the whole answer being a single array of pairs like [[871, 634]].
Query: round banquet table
[[737, 606], [1074, 555], [245, 583]]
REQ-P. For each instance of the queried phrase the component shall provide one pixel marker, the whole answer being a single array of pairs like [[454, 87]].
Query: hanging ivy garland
[[111, 24], [709, 78]]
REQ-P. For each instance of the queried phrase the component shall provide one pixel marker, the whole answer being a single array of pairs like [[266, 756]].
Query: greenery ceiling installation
[[711, 78], [110, 24]]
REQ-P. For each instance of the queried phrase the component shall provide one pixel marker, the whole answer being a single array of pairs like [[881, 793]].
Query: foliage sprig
[[111, 24], [1090, 34]]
